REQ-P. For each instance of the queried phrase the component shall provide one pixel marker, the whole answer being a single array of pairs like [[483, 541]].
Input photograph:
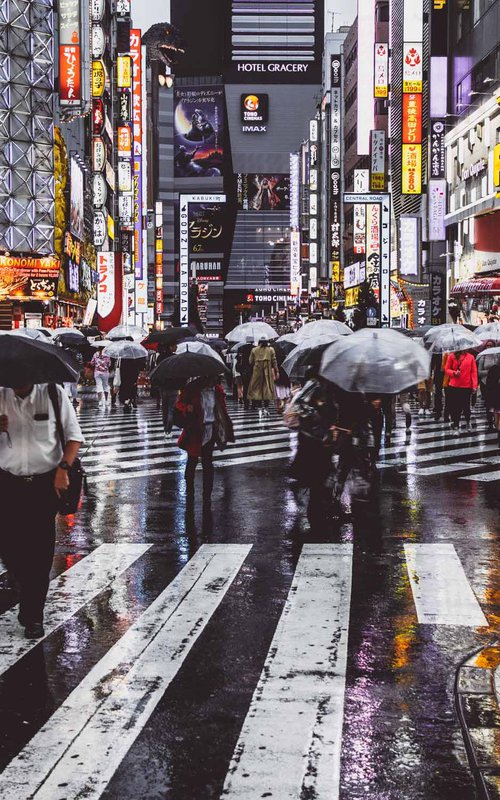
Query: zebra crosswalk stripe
[[85, 740], [289, 746], [68, 593], [441, 591]]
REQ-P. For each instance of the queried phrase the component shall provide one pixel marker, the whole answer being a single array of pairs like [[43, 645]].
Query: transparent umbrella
[[487, 358], [58, 331], [450, 339], [295, 363], [130, 350], [134, 332], [322, 326], [253, 330], [379, 361], [29, 333], [198, 347], [490, 331]]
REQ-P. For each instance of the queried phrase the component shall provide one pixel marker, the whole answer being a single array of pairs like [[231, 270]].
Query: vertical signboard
[[381, 77], [109, 291], [135, 55], [410, 247], [437, 210], [365, 104], [336, 173], [413, 76], [377, 160], [438, 297], [70, 57]]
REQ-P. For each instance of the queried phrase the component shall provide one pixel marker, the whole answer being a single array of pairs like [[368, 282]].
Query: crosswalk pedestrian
[[122, 448], [300, 691]]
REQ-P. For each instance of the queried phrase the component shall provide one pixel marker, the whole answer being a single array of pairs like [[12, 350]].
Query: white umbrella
[[289, 337], [253, 330], [58, 331], [490, 331], [375, 360], [449, 338], [130, 350], [199, 347], [322, 326], [30, 333], [135, 332], [493, 352]]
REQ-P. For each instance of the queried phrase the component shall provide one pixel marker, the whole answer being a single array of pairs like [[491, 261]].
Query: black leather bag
[[69, 501]]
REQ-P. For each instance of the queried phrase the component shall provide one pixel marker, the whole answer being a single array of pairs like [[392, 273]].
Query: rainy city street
[[202, 653]]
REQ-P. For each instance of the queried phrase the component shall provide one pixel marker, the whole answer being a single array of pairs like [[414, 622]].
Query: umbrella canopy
[[296, 363], [414, 333], [58, 331], [488, 358], [219, 345], [70, 339], [379, 361], [254, 330], [490, 331], [168, 336], [90, 330], [289, 338], [29, 333], [24, 361], [194, 346], [129, 333], [450, 339], [330, 327], [122, 349], [179, 367]]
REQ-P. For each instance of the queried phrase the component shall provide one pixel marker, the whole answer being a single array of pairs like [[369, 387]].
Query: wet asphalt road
[[401, 737]]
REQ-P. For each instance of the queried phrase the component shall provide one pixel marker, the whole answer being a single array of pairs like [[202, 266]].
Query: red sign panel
[[412, 119], [70, 90]]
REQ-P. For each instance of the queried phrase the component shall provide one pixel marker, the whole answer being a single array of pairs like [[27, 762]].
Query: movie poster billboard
[[76, 217], [263, 192], [206, 228], [199, 131]]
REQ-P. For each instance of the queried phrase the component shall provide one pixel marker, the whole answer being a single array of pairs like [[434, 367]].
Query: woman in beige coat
[[264, 372]]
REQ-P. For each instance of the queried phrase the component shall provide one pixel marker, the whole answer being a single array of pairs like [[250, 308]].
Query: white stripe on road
[[289, 746], [441, 591], [146, 473], [483, 477], [85, 740], [416, 448], [475, 453], [68, 594], [444, 469]]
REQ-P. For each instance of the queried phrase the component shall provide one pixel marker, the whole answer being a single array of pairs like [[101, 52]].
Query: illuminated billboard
[[76, 213], [198, 131], [263, 192], [411, 169], [28, 278], [70, 55], [412, 119]]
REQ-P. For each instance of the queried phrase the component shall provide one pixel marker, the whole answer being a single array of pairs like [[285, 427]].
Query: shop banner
[[109, 290], [381, 78], [437, 210], [410, 246], [411, 169], [263, 192]]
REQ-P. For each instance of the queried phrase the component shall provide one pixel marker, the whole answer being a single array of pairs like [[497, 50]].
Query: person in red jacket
[[462, 371], [202, 413]]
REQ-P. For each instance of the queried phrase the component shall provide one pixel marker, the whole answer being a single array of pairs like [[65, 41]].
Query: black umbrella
[[90, 330], [70, 339], [168, 336], [181, 366], [219, 345], [24, 361]]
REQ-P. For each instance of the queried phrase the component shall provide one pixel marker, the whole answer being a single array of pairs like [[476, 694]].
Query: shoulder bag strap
[[57, 411]]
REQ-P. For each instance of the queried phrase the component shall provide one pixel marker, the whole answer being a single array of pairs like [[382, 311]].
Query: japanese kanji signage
[[70, 89], [377, 160], [412, 119]]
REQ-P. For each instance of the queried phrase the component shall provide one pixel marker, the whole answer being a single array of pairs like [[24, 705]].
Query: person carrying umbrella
[[33, 466], [264, 373], [462, 371], [206, 424], [102, 365]]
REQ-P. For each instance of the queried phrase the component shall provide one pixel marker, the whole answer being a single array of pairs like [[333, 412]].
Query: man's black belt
[[25, 478]]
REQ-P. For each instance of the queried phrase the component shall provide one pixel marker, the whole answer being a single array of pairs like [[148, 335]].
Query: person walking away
[[437, 376], [492, 395], [202, 413], [244, 368], [404, 399], [283, 389], [482, 374], [33, 474], [446, 389], [424, 397], [168, 394], [264, 373], [101, 364], [462, 371], [129, 373]]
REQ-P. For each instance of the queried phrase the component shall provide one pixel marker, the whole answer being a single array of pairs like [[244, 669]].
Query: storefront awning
[[476, 288]]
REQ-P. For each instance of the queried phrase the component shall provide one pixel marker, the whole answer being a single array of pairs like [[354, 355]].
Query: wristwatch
[[64, 465]]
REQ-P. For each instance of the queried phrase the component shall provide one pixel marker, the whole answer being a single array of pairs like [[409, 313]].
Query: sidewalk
[[478, 706]]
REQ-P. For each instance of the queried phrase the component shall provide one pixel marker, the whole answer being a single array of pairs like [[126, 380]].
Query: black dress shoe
[[34, 630]]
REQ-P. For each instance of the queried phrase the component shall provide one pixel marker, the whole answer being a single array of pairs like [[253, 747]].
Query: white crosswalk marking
[[289, 746], [85, 740], [135, 447], [441, 591], [68, 594]]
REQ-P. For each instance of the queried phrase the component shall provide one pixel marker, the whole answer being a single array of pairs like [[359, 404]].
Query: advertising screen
[[263, 192], [199, 131], [206, 228], [76, 200]]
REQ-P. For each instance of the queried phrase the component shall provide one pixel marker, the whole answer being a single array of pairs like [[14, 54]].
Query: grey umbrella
[[450, 339], [295, 364], [490, 331], [375, 361]]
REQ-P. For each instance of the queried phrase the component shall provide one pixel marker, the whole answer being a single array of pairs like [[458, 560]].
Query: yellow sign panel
[[98, 79], [411, 169], [124, 72], [496, 169]]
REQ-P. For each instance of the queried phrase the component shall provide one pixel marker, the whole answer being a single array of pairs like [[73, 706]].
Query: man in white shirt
[[33, 474]]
